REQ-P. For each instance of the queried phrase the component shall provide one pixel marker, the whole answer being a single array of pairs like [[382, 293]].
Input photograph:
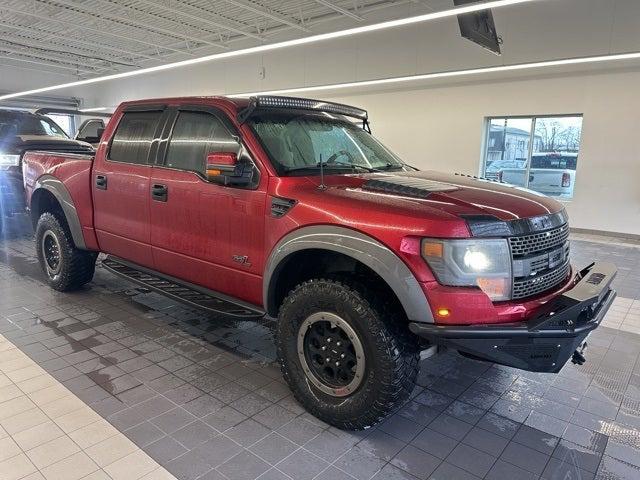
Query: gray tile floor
[[202, 396]]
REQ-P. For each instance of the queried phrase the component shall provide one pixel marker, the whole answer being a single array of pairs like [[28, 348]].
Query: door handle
[[159, 192], [101, 182]]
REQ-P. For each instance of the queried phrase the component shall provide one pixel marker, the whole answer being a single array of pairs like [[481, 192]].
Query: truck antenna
[[322, 186]]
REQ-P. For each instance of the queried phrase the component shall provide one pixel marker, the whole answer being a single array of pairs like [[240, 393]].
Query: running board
[[183, 292]]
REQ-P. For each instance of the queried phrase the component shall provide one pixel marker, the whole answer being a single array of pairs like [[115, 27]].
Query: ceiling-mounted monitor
[[479, 27]]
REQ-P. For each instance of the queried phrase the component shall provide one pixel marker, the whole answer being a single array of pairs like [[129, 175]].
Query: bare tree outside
[[559, 134]]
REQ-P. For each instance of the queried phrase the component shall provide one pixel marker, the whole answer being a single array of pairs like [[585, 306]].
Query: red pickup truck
[[289, 207]]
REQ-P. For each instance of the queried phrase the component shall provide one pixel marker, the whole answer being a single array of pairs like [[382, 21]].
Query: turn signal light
[[213, 172], [443, 312], [432, 249], [493, 287]]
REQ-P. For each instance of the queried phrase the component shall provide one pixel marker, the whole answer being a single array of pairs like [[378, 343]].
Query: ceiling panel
[[87, 38]]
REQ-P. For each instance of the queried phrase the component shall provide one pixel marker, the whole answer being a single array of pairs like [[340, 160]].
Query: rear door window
[[133, 137]]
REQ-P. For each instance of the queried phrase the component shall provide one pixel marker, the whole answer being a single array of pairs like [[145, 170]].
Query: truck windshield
[[22, 123], [299, 143]]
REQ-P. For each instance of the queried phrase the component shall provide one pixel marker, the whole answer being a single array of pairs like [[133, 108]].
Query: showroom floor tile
[[37, 441], [201, 395]]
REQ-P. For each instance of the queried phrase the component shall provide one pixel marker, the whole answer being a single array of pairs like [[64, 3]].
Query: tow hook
[[578, 356]]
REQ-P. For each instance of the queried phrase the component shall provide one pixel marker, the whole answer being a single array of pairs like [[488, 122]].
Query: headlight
[[9, 160], [482, 263]]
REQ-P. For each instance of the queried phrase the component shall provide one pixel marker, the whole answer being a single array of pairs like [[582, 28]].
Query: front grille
[[539, 242], [532, 256], [528, 287]]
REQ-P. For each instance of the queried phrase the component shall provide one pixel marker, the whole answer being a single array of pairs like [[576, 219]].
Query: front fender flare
[[54, 186], [362, 248]]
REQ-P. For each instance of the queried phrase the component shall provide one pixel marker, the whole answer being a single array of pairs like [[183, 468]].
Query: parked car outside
[[551, 173]]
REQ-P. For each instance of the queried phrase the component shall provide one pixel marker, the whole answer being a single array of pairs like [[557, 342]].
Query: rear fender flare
[[362, 248], [54, 186]]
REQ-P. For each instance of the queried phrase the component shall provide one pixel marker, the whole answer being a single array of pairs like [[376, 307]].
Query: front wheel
[[66, 267], [348, 359]]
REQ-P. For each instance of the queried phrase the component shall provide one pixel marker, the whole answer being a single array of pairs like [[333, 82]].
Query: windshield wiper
[[390, 166], [332, 166]]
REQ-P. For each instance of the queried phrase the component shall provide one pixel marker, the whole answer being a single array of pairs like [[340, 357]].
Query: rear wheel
[[348, 359], [65, 266]]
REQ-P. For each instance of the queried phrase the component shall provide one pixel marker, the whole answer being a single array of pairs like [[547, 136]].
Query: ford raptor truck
[[290, 208]]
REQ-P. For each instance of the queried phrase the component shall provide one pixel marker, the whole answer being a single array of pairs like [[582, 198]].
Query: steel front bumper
[[546, 341]]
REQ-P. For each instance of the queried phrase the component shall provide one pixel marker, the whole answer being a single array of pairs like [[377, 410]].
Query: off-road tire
[[76, 266], [391, 352]]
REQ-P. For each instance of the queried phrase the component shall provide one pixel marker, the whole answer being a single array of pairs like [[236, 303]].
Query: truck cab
[[291, 208]]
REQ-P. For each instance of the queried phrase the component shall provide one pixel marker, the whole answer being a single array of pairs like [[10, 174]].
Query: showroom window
[[535, 152], [132, 141], [66, 122]]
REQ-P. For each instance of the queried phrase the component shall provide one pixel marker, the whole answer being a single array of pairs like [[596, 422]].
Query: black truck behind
[[22, 131]]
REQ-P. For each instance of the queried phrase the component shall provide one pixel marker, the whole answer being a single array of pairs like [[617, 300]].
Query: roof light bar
[[279, 45], [275, 102]]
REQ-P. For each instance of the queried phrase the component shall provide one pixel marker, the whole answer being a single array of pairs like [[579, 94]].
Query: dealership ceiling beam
[[68, 32], [32, 68], [83, 43], [42, 62], [66, 55], [268, 13], [46, 57], [96, 31], [313, 21], [203, 16], [128, 22], [339, 9]]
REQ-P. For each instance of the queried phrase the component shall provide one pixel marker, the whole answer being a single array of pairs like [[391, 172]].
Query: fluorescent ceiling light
[[279, 45], [92, 109], [453, 73], [430, 76]]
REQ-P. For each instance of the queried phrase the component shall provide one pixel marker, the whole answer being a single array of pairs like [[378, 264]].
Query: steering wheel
[[340, 153]]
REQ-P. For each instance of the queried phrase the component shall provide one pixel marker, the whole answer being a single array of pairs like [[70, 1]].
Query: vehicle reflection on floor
[[202, 395]]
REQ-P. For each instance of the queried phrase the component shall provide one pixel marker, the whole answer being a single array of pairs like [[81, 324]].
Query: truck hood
[[439, 195]]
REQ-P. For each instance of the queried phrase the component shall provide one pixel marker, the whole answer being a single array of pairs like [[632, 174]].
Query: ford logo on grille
[[540, 223], [556, 257]]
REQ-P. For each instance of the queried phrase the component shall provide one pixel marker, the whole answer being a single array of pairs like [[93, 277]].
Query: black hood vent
[[281, 206], [408, 186]]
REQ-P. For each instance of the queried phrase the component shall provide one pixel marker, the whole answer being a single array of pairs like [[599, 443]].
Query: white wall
[[442, 129], [540, 30], [439, 125], [13, 78]]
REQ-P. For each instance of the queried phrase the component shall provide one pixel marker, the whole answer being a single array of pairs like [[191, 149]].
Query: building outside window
[[535, 152], [66, 122]]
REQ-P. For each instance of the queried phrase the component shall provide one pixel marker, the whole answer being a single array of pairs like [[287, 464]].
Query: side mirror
[[90, 131], [226, 169]]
